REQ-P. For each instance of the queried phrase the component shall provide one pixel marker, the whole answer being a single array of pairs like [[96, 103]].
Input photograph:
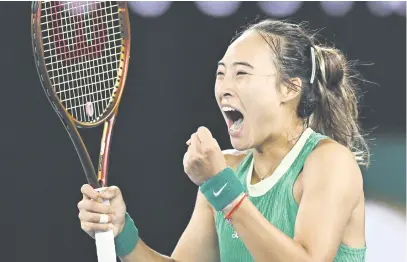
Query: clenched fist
[[97, 216], [203, 159]]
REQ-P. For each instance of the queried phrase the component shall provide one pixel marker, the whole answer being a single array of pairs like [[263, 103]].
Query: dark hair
[[330, 104]]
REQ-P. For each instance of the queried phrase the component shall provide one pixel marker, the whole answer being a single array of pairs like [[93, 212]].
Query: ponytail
[[336, 112]]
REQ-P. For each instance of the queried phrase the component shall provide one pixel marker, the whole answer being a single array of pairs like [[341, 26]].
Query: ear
[[290, 92]]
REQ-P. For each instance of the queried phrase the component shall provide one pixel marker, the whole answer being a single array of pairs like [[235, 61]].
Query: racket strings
[[82, 52], [90, 60], [74, 14]]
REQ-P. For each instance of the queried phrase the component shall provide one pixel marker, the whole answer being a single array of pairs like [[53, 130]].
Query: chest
[[297, 188], [278, 207]]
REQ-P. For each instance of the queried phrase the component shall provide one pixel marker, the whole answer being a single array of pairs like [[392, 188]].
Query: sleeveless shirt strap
[[310, 145]]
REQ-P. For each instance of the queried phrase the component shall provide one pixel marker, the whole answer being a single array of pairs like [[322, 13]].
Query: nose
[[223, 94], [224, 89]]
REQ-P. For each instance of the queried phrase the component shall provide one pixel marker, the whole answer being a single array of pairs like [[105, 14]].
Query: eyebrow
[[237, 63]]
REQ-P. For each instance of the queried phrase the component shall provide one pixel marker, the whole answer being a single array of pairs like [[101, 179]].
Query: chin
[[239, 144]]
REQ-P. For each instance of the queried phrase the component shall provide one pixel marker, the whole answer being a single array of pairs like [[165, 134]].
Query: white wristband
[[229, 207]]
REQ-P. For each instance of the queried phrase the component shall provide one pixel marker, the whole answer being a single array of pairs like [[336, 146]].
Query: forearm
[[143, 253], [264, 241]]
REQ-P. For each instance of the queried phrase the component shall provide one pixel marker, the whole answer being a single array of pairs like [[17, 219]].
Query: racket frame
[[70, 124]]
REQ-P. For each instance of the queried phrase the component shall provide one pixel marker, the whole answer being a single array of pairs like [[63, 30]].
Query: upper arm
[[332, 186], [233, 157]]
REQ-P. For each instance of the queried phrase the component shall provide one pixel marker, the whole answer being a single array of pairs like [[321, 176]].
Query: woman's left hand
[[204, 158]]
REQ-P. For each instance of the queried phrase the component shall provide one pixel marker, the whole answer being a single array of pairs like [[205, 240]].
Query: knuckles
[[202, 129], [82, 216], [85, 204], [80, 205], [83, 188], [85, 226], [207, 150]]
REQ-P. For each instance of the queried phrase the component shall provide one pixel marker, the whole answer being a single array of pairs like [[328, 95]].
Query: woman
[[291, 190]]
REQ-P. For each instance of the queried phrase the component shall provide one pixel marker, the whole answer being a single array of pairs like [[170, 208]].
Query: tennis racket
[[81, 51]]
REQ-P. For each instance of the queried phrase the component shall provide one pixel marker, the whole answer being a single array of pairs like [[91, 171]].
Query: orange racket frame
[[99, 178]]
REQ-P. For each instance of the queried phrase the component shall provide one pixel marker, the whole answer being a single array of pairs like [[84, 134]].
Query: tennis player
[[291, 189]]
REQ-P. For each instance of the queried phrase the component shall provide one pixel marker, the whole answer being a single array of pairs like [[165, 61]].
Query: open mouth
[[234, 118]]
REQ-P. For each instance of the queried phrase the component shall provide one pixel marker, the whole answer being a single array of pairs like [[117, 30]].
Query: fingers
[[110, 192], [95, 207], [89, 226], [85, 216], [93, 213], [106, 193], [195, 139], [208, 142], [185, 160], [193, 143], [204, 135], [91, 193], [216, 143]]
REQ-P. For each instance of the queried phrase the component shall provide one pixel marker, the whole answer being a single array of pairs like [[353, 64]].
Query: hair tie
[[313, 65]]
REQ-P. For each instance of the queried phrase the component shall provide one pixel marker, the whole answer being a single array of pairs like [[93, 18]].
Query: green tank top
[[275, 191]]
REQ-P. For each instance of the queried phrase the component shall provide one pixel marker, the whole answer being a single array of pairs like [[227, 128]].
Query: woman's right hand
[[91, 208]]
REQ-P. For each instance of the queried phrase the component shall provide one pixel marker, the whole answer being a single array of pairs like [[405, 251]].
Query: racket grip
[[105, 247]]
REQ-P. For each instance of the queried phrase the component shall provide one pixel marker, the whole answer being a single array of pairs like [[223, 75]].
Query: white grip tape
[[105, 247]]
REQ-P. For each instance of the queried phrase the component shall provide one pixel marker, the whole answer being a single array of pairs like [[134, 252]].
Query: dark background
[[168, 95]]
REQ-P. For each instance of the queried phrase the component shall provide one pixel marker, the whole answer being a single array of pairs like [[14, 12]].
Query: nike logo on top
[[216, 194]]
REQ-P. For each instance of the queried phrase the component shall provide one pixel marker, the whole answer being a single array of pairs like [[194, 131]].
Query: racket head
[[81, 52]]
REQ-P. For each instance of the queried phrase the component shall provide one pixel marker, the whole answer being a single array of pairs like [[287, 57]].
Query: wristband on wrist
[[126, 241], [222, 189]]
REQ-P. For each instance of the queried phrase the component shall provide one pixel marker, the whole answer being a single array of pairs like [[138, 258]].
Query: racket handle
[[105, 247]]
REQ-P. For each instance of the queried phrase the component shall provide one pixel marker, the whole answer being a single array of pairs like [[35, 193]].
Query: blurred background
[[168, 95]]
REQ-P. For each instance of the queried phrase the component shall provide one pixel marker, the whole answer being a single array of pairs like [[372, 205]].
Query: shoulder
[[233, 157], [332, 166], [330, 150]]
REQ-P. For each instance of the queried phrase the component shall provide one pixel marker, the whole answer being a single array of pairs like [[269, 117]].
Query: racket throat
[[101, 172], [104, 151]]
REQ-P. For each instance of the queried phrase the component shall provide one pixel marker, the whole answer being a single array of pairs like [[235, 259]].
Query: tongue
[[236, 125]]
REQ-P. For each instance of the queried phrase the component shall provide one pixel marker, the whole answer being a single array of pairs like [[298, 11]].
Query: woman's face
[[246, 91]]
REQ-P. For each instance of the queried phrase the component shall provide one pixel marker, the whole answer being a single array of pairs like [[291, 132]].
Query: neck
[[269, 155]]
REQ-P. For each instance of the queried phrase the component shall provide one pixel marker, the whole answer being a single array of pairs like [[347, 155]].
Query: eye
[[241, 73], [219, 73]]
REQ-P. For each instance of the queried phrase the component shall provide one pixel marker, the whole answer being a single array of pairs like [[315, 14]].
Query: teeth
[[236, 125], [226, 109]]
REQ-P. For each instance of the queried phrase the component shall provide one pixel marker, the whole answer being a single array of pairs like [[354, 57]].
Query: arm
[[198, 243], [332, 186], [142, 252]]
